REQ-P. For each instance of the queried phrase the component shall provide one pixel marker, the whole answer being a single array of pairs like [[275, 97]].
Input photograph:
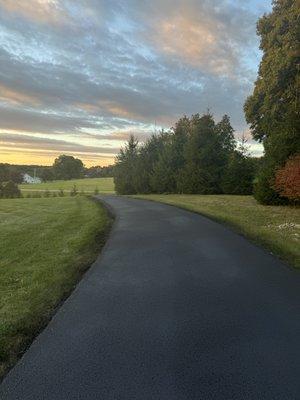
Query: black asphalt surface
[[176, 307]]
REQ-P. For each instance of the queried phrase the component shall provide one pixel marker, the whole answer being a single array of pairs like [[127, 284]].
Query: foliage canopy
[[273, 109]]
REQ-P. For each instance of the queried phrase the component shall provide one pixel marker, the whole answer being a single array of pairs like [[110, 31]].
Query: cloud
[[39, 11], [35, 121], [9, 95], [34, 142], [207, 35], [94, 68]]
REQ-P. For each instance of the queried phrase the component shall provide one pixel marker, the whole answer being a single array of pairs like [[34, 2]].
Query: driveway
[[177, 307]]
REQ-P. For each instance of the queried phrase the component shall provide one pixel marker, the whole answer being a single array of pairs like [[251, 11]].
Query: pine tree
[[125, 168], [171, 159], [239, 173]]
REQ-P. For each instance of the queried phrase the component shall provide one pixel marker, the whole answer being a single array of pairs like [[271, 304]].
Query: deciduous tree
[[273, 108], [68, 167]]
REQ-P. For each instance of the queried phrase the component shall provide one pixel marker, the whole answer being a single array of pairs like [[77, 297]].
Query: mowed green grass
[[88, 185], [46, 244], [276, 228]]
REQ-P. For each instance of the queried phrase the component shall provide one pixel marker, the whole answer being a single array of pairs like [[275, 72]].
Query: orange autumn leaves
[[287, 179]]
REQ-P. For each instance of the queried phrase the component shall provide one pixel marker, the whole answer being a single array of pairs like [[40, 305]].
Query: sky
[[79, 76]]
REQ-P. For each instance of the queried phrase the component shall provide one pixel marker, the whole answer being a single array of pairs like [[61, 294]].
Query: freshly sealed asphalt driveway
[[176, 307]]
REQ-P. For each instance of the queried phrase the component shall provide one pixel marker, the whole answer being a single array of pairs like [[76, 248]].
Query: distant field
[[276, 228], [104, 185], [46, 244]]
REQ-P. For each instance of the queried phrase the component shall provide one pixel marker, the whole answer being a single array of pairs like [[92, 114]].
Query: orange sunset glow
[[78, 79]]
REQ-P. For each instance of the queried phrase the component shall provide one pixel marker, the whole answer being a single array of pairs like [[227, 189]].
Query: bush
[[263, 187], [10, 190], [287, 179]]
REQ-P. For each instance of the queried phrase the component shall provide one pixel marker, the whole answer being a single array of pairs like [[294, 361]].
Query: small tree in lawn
[[11, 190], [287, 179]]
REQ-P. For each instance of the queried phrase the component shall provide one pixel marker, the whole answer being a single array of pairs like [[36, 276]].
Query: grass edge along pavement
[[276, 228], [47, 245]]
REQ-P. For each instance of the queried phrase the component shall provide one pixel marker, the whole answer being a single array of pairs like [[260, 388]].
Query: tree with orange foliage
[[287, 180]]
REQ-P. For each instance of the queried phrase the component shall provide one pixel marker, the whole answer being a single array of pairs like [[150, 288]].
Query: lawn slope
[[46, 244], [276, 228], [87, 185]]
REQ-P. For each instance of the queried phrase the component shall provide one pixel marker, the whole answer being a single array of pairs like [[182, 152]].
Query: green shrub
[[10, 190], [263, 187]]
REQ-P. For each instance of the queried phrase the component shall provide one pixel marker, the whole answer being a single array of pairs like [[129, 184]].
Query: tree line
[[198, 155], [65, 167], [201, 156]]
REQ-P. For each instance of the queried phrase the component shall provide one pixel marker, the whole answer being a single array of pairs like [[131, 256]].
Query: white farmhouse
[[29, 179]]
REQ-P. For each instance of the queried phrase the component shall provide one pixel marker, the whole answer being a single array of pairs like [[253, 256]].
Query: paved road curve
[[177, 307]]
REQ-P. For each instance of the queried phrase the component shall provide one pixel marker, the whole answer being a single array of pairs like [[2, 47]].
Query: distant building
[[29, 179]]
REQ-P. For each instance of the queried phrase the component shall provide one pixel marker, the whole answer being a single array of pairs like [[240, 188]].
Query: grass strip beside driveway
[[46, 245]]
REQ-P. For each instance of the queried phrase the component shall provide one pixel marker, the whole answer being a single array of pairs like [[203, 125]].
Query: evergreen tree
[[125, 168], [148, 156], [197, 156], [171, 159], [225, 132], [239, 173], [206, 154]]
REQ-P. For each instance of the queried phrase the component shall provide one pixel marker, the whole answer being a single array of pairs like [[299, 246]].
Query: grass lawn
[[46, 244], [276, 228], [88, 185]]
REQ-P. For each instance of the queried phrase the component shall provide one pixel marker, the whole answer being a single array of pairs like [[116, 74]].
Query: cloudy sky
[[78, 76]]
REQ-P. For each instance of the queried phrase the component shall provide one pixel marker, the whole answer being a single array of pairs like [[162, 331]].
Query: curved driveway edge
[[177, 307]]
